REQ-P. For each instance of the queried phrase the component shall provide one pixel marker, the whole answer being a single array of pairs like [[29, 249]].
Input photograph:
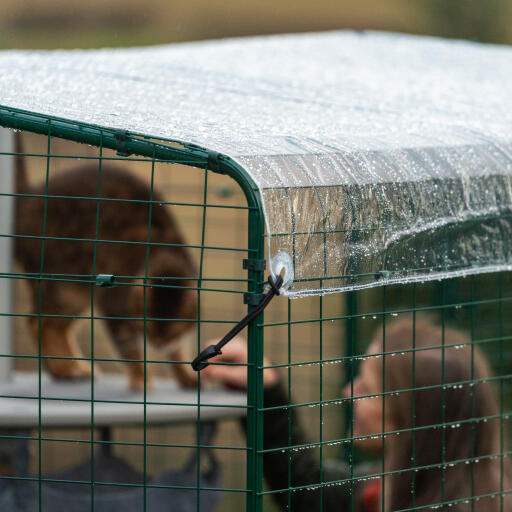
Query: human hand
[[234, 376]]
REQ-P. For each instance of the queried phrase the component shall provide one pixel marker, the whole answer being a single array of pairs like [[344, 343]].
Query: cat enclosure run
[[151, 198]]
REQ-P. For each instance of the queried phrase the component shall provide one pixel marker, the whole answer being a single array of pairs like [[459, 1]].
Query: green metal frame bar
[[194, 156]]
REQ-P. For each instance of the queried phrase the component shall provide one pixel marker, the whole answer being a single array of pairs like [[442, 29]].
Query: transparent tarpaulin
[[380, 158]]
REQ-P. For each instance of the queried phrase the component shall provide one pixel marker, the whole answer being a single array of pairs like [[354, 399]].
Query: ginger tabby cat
[[70, 250]]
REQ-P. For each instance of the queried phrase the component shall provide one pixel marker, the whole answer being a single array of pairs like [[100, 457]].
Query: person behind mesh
[[449, 451]]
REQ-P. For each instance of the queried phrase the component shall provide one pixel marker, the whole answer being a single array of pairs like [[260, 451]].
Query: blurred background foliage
[[97, 23]]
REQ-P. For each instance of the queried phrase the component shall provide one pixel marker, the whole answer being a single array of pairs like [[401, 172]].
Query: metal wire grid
[[225, 283], [478, 305], [322, 340]]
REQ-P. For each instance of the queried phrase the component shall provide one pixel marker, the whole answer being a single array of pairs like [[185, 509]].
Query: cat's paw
[[70, 369]]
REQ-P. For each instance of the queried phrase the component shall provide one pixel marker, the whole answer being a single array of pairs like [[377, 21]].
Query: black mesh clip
[[105, 280], [120, 136], [253, 299], [383, 274], [254, 264], [214, 162], [201, 361]]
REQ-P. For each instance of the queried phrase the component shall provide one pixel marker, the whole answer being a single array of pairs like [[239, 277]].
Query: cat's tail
[[20, 178]]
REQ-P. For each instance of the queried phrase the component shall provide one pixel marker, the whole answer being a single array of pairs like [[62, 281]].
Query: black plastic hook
[[201, 361]]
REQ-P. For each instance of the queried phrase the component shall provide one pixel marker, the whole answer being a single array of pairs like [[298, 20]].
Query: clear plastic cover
[[381, 158]]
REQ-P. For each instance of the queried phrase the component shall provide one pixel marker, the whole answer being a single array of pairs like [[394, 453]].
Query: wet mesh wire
[[93, 443]]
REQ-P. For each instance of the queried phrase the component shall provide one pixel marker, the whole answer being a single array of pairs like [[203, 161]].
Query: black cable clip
[[121, 138], [214, 162], [201, 361]]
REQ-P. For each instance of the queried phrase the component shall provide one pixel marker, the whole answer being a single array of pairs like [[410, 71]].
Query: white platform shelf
[[68, 403]]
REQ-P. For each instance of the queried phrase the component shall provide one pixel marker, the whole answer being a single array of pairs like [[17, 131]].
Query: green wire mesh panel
[[396, 398], [393, 398], [107, 308]]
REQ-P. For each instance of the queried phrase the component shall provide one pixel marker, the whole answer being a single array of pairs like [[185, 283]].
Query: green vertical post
[[350, 350], [39, 324], [199, 285], [255, 250], [255, 373], [94, 260]]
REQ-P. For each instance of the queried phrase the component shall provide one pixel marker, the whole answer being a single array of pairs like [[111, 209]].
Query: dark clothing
[[282, 429]]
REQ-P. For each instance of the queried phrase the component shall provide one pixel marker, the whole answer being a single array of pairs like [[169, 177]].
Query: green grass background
[[98, 23]]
